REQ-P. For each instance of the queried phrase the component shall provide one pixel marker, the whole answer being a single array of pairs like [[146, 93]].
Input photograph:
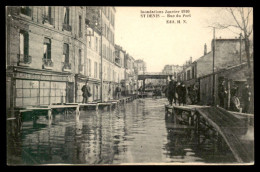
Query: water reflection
[[134, 133]]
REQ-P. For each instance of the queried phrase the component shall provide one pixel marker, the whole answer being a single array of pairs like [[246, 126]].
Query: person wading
[[86, 92]]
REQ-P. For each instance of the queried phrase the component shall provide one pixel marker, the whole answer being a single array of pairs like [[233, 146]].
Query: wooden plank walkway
[[230, 127]]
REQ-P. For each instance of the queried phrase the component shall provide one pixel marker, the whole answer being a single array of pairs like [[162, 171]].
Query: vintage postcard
[[116, 85]]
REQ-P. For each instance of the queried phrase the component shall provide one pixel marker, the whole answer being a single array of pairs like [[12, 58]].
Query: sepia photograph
[[129, 85]]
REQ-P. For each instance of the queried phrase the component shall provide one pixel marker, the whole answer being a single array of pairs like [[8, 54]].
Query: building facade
[[53, 50], [42, 54]]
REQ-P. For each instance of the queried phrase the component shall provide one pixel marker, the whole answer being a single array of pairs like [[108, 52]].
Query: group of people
[[86, 92], [176, 91], [236, 104]]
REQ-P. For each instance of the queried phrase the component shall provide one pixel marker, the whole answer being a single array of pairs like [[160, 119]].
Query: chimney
[[190, 60], [205, 49]]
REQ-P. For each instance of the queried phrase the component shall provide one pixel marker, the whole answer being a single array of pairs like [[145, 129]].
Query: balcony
[[66, 27], [47, 64], [67, 67], [47, 20], [24, 60]]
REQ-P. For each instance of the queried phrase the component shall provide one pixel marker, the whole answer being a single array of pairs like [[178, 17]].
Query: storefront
[[39, 87]]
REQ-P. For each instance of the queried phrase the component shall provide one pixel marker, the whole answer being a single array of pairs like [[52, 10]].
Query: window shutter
[[49, 12], [49, 51], [26, 43]]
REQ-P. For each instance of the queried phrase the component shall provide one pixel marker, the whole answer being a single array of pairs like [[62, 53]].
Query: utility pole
[[240, 47], [213, 65]]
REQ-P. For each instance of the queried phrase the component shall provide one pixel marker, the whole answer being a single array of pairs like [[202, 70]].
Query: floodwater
[[136, 132]]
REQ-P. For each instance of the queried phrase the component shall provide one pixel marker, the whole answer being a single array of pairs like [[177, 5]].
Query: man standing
[[183, 94], [179, 92], [222, 94], [118, 92], [246, 98], [86, 92], [235, 103], [109, 91], [171, 91]]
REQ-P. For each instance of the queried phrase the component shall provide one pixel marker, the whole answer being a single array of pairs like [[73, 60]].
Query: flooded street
[[134, 133]]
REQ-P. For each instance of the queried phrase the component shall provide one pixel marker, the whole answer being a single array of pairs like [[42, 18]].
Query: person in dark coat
[[86, 92], [183, 94], [171, 91], [246, 98], [222, 94], [118, 92], [178, 91]]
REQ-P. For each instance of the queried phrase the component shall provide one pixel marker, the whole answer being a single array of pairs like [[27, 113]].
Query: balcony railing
[[67, 67], [47, 63], [66, 27], [24, 60], [47, 19]]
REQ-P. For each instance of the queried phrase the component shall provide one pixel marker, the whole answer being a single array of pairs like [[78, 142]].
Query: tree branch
[[231, 11], [247, 17]]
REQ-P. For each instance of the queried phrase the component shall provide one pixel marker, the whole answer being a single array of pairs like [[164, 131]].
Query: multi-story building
[[90, 61], [188, 74], [43, 47], [53, 50], [172, 70], [140, 68]]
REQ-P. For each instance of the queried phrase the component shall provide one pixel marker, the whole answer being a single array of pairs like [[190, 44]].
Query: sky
[[158, 43]]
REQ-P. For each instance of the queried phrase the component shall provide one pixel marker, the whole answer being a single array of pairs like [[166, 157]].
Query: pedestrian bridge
[[232, 127], [152, 75]]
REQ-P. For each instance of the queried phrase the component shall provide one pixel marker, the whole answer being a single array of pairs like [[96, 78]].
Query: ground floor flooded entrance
[[136, 132]]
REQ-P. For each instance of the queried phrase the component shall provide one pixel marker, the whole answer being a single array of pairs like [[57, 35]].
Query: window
[[80, 61], [80, 57], [24, 43], [47, 15], [105, 30], [105, 50], [25, 10], [66, 14], [193, 72], [89, 67], [80, 21], [89, 39], [99, 70], [188, 74], [47, 49], [96, 44], [95, 70], [66, 19], [66, 53], [100, 46]]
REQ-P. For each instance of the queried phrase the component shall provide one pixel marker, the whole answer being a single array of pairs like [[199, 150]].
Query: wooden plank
[[62, 106], [227, 126], [39, 108]]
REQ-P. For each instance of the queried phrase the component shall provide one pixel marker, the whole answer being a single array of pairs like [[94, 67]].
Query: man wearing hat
[[246, 98], [86, 92], [171, 91]]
